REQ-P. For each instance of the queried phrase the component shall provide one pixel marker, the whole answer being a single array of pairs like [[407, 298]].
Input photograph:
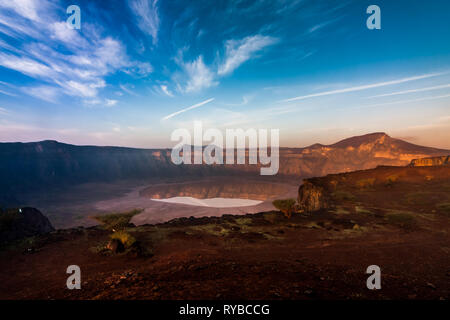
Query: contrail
[[187, 109], [406, 101], [410, 91], [365, 87]]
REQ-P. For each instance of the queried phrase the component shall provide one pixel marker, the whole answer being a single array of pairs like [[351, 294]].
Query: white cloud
[[60, 31], [127, 90], [146, 12], [25, 65], [46, 93], [140, 69], [82, 89], [105, 102], [239, 51], [166, 90], [199, 76], [7, 93], [79, 69], [25, 8], [110, 102]]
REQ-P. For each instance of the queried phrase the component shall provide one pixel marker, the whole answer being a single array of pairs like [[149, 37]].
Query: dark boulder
[[21, 223]]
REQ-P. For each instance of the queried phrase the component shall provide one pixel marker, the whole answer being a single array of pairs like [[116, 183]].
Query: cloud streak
[[188, 108], [239, 51], [363, 87], [411, 91], [406, 101], [146, 12]]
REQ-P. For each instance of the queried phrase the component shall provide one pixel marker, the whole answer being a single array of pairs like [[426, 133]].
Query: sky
[[137, 70]]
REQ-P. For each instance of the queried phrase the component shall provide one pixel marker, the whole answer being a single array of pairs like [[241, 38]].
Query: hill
[[38, 165]]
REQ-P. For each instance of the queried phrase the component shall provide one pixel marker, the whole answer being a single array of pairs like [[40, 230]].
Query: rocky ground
[[401, 224]]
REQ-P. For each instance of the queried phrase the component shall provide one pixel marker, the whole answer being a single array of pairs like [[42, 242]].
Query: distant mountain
[[38, 165], [355, 153]]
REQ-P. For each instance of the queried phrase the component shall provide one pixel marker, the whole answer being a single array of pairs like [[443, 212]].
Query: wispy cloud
[[239, 51], [75, 62], [411, 91], [363, 87], [26, 8], [199, 76], [187, 109], [110, 102], [26, 66], [406, 101], [146, 12], [101, 102], [46, 93], [8, 93], [127, 90], [166, 90]]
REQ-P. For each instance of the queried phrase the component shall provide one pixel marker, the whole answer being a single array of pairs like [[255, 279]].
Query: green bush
[[286, 206]]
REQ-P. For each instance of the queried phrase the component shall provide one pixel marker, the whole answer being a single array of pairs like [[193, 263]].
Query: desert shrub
[[124, 237], [365, 183], [286, 206], [343, 196], [117, 221], [402, 220]]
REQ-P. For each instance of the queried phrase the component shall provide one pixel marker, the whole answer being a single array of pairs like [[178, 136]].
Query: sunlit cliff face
[[217, 188]]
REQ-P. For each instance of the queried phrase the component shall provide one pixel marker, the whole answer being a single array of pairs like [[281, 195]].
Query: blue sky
[[138, 69]]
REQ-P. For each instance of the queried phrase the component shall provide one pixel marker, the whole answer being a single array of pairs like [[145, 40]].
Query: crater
[[237, 189]]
